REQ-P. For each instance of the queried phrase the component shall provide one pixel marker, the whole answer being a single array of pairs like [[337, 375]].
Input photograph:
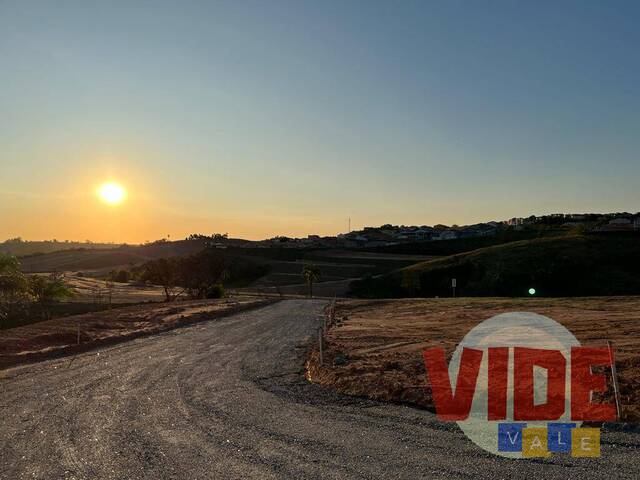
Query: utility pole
[[349, 228]]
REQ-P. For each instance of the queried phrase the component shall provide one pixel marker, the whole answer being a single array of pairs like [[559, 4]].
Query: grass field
[[383, 340], [87, 289]]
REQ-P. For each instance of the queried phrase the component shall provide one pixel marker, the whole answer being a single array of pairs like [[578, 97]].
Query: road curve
[[227, 399]]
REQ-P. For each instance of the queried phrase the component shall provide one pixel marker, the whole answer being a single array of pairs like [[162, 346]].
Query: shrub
[[47, 290], [216, 291], [120, 276]]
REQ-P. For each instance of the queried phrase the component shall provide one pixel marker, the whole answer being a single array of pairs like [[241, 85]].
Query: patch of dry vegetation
[[376, 348], [60, 336]]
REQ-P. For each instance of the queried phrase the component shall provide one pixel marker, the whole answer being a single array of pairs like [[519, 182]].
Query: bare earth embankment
[[60, 336], [376, 348]]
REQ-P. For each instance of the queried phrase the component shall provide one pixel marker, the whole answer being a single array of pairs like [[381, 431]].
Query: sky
[[288, 117]]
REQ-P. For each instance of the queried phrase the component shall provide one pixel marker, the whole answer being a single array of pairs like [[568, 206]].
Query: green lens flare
[[532, 291]]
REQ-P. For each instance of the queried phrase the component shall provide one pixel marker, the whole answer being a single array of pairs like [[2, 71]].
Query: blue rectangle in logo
[[510, 437], [559, 437]]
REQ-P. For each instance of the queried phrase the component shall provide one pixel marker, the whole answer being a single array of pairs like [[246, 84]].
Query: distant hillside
[[20, 247], [578, 265], [103, 258], [461, 245]]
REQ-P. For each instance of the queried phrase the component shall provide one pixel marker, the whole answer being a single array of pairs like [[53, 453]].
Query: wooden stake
[[78, 325], [616, 388], [320, 346]]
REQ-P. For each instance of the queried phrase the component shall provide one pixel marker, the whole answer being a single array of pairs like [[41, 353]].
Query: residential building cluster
[[385, 235]]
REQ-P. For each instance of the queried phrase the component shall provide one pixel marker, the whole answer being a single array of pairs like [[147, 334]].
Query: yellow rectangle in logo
[[534, 442], [585, 442]]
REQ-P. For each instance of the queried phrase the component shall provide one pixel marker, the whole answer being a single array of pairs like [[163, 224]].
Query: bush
[[216, 291], [48, 290], [120, 276]]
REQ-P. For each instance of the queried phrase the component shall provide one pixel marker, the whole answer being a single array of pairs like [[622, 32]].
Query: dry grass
[[383, 340], [58, 336], [87, 289]]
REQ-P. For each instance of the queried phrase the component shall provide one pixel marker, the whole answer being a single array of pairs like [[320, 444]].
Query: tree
[[13, 285], [201, 274], [12, 280], [311, 273], [120, 276], [165, 272], [46, 290]]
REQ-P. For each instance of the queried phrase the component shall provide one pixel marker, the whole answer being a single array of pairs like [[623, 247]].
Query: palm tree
[[311, 273]]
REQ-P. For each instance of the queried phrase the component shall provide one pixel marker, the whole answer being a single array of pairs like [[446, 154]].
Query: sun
[[112, 193]]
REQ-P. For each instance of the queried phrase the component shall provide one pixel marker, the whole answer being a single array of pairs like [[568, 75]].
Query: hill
[[19, 247], [577, 265], [107, 258], [278, 266], [461, 245]]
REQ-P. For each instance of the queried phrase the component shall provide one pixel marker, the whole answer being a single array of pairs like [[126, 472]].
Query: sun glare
[[111, 193]]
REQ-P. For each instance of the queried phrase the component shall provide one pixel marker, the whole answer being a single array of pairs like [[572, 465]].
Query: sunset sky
[[286, 118]]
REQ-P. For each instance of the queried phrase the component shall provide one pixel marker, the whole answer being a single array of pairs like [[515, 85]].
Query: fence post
[[320, 346], [333, 311], [614, 374]]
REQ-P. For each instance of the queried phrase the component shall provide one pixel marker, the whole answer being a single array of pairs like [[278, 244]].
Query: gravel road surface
[[227, 399]]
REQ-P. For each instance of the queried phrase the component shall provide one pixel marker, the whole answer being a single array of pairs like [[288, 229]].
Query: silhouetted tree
[[311, 273], [202, 273], [164, 272]]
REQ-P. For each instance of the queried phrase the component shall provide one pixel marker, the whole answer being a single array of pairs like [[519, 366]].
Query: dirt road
[[227, 399]]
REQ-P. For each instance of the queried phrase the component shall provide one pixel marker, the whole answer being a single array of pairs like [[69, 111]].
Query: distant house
[[422, 234], [378, 243], [478, 230], [620, 221], [617, 225], [446, 235], [414, 234]]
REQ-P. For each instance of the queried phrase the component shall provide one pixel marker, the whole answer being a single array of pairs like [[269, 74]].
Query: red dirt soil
[[60, 335], [382, 341]]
